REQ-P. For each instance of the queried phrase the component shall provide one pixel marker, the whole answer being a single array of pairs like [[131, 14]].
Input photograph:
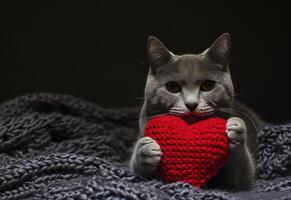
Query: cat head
[[190, 83]]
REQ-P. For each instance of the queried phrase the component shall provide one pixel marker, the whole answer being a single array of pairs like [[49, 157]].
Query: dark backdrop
[[96, 49]]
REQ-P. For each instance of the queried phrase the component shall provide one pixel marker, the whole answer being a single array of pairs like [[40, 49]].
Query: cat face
[[188, 84]]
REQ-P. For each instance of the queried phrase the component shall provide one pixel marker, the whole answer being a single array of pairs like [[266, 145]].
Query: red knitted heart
[[191, 153]]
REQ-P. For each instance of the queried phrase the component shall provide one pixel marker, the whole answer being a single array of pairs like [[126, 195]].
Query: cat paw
[[236, 132], [147, 153]]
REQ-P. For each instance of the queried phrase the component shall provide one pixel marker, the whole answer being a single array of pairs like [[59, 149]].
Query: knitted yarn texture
[[191, 153], [62, 147]]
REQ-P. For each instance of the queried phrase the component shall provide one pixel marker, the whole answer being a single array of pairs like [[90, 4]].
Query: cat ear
[[220, 50], [157, 53]]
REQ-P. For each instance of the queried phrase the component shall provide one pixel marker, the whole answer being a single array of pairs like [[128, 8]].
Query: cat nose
[[191, 106]]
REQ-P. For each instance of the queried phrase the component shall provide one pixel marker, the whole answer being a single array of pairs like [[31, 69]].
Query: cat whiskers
[[238, 94], [206, 109], [178, 111], [212, 103], [206, 112]]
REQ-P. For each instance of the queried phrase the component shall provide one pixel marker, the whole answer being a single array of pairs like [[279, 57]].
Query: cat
[[197, 85]]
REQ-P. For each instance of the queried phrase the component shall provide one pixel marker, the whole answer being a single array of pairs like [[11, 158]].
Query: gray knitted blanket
[[61, 147]]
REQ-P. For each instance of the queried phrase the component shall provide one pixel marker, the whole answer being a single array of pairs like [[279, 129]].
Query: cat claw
[[148, 152], [236, 131]]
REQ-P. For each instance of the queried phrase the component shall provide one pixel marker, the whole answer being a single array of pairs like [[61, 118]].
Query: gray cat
[[197, 86]]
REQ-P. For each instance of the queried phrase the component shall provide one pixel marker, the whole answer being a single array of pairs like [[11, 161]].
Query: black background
[[96, 49]]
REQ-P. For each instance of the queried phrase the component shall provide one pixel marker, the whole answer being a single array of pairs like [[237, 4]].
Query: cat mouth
[[192, 117]]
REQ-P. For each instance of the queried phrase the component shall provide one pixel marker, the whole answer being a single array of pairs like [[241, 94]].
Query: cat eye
[[207, 85], [173, 87]]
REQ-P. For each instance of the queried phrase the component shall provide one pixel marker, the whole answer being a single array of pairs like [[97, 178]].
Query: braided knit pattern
[[191, 153], [62, 147]]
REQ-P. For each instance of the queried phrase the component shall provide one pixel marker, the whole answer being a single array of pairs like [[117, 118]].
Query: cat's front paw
[[236, 132], [147, 154]]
